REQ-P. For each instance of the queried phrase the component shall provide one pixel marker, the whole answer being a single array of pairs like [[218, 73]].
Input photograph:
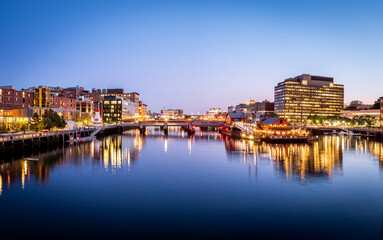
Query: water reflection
[[300, 161], [320, 160], [120, 151]]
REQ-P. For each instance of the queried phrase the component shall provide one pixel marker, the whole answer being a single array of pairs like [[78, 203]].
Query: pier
[[34, 141]]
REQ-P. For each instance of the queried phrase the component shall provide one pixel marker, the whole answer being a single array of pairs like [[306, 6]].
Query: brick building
[[62, 102], [12, 98], [73, 92]]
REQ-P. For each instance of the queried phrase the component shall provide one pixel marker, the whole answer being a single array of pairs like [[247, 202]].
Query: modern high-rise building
[[307, 95]]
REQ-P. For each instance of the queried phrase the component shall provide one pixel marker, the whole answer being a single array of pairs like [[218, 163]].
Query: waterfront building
[[172, 113], [58, 90], [232, 117], [115, 90], [381, 112], [62, 102], [360, 113], [12, 98], [261, 108], [253, 107], [84, 105], [142, 109], [274, 123], [25, 114], [242, 107], [213, 112], [117, 109], [97, 97], [73, 92], [358, 105], [42, 97], [306, 95]]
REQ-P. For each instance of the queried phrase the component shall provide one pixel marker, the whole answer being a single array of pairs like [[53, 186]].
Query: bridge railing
[[246, 127]]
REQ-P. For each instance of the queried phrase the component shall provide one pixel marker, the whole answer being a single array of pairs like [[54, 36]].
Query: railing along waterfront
[[24, 136]]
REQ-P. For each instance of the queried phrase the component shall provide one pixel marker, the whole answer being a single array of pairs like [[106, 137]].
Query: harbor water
[[204, 186]]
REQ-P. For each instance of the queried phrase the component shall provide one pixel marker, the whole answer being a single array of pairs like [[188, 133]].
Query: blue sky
[[192, 54]]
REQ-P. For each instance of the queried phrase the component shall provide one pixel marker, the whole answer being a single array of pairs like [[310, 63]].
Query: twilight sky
[[192, 54]]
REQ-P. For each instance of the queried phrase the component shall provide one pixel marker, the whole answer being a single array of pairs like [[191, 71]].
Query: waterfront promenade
[[13, 137]]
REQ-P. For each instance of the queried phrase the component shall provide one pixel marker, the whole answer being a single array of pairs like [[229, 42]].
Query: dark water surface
[[207, 186]]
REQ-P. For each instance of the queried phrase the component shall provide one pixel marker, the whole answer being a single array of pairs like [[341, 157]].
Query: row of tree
[[365, 121], [84, 118], [49, 120]]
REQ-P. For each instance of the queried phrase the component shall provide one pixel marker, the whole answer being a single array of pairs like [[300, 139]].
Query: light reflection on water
[[208, 185], [295, 161]]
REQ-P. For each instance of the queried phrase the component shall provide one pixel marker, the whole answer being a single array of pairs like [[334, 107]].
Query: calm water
[[206, 186]]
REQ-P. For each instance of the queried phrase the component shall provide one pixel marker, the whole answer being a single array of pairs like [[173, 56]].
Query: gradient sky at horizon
[[192, 54]]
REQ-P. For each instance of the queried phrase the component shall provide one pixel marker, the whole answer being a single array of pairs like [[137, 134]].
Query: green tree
[[24, 126], [52, 120], [37, 123], [19, 125], [86, 118], [4, 129], [76, 116], [40, 126]]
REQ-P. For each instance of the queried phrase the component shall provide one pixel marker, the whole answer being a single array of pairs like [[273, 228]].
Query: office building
[[306, 95], [97, 96], [117, 109]]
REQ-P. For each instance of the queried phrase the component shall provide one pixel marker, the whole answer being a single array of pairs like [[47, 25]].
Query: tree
[[62, 122], [19, 125], [24, 127], [35, 121], [52, 120], [86, 118], [76, 116], [4, 129], [376, 105], [40, 126]]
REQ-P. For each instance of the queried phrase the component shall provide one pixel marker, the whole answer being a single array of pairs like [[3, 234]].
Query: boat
[[82, 140], [31, 159]]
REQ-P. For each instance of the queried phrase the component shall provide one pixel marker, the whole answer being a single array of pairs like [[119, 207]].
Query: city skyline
[[191, 55]]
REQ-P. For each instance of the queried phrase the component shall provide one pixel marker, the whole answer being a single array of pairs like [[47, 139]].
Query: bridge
[[164, 125], [177, 123]]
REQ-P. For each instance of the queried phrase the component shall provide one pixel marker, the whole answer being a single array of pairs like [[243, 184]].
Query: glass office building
[[306, 95]]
